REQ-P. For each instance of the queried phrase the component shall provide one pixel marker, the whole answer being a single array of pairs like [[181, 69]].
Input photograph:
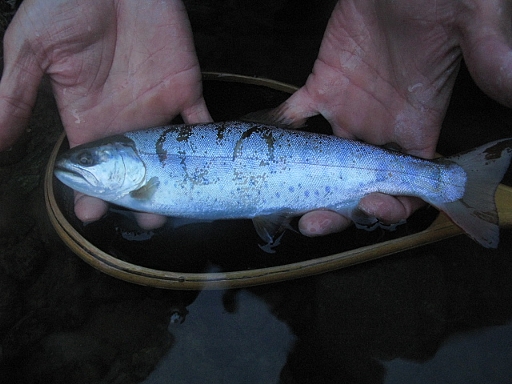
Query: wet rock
[[10, 303], [137, 330], [21, 260], [130, 324], [69, 357], [14, 154], [59, 294], [20, 339], [14, 223], [104, 288], [145, 360]]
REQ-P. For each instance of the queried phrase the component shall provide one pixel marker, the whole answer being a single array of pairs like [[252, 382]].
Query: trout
[[238, 169]]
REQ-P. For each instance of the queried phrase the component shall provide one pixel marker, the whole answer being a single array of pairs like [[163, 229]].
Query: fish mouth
[[60, 170], [74, 177], [67, 171]]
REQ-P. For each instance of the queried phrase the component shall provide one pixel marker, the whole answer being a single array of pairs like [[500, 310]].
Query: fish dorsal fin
[[147, 190], [269, 227], [275, 117]]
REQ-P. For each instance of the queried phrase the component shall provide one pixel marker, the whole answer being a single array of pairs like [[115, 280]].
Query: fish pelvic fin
[[476, 211], [270, 229]]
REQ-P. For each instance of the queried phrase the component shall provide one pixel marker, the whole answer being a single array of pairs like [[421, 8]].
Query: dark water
[[438, 314]]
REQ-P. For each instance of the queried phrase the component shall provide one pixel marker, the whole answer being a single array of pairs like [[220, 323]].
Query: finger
[[320, 223], [486, 48], [389, 209], [149, 221], [18, 88], [196, 113], [89, 209]]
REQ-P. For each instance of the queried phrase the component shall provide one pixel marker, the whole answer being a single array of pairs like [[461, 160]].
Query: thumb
[[18, 87], [197, 113], [487, 52]]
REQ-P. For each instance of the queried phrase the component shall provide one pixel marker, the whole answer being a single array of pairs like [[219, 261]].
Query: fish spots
[[159, 146], [193, 174], [220, 130], [199, 177], [291, 189], [488, 216], [495, 152], [248, 180], [177, 133], [184, 133], [262, 133]]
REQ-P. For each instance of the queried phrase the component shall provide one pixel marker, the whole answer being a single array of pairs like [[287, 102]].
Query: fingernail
[[320, 227]]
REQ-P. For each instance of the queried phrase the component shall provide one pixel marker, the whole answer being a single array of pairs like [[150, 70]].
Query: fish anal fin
[[361, 219], [147, 190], [370, 223]]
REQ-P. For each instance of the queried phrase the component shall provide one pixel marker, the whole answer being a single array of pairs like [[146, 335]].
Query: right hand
[[385, 73]]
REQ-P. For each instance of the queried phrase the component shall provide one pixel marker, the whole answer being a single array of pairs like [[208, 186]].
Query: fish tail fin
[[476, 211]]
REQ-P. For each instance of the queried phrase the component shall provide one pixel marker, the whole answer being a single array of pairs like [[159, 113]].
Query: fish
[[249, 170]]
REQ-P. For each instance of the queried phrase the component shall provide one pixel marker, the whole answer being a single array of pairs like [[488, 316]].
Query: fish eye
[[85, 158]]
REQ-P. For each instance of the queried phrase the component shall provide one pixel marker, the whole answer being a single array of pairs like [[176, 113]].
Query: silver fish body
[[248, 170]]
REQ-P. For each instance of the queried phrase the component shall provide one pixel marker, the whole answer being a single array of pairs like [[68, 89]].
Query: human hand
[[114, 66], [384, 75]]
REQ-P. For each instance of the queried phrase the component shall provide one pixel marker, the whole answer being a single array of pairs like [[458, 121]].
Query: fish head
[[107, 169]]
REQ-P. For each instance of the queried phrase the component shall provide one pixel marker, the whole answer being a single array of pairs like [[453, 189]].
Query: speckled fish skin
[[234, 170], [247, 170]]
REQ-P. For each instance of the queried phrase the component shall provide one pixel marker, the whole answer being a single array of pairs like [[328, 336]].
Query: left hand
[[114, 66]]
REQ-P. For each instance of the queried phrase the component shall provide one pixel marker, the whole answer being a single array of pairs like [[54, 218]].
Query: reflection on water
[[482, 356], [236, 342]]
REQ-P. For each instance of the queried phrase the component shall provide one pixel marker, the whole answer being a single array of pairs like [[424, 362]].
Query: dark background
[[440, 313]]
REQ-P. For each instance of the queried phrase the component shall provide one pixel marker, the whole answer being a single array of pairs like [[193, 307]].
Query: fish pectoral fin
[[270, 226], [147, 190]]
